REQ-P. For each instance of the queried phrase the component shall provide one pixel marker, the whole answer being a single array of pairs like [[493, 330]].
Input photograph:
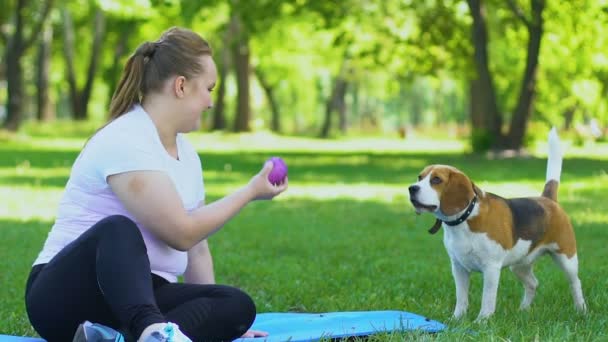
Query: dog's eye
[[435, 180], [419, 178]]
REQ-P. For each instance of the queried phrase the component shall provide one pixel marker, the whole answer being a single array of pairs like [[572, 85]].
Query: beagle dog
[[484, 232]]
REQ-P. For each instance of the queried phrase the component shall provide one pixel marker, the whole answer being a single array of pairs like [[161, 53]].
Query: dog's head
[[442, 190]]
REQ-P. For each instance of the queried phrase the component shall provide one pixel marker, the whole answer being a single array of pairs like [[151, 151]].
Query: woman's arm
[[151, 197], [200, 265]]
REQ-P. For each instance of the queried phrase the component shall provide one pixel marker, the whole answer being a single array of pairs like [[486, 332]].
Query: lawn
[[344, 236]]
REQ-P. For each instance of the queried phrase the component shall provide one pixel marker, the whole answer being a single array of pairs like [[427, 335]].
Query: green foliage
[[536, 131], [390, 48], [573, 61]]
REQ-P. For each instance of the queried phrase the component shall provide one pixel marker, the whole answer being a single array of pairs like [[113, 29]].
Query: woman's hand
[[261, 187], [255, 333]]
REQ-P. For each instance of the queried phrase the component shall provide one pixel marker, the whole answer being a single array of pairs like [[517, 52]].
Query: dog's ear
[[457, 193]]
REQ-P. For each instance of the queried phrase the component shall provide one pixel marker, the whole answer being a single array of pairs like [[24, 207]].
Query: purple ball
[[279, 171]]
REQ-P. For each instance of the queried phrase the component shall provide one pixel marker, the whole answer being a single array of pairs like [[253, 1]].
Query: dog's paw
[[581, 308], [455, 319], [483, 318], [458, 315], [524, 307]]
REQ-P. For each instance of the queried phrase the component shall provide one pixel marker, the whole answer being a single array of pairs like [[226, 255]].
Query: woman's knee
[[119, 226], [242, 310], [245, 304]]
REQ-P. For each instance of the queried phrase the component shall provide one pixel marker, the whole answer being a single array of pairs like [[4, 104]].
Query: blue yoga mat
[[301, 327]]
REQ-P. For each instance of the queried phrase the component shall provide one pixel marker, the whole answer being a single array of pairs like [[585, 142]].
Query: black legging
[[104, 277]]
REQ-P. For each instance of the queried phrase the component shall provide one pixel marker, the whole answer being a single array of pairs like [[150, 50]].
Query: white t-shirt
[[129, 143]]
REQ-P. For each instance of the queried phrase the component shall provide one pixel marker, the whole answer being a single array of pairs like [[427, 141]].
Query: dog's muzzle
[[414, 190]]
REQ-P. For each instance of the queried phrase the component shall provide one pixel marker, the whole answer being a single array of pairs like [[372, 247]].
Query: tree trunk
[[341, 106], [355, 110], [219, 111], [79, 98], [14, 79], [476, 105], [85, 94], [485, 95], [525, 103], [569, 117], [46, 110], [327, 121], [124, 29], [68, 49], [242, 69], [335, 102], [17, 45], [275, 121]]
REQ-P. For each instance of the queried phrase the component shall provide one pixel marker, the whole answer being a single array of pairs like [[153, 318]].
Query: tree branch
[[38, 25], [519, 13]]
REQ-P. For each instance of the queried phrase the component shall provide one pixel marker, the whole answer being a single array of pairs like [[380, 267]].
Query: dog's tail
[[554, 166]]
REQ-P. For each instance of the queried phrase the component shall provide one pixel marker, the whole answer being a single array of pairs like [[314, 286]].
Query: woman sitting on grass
[[133, 219]]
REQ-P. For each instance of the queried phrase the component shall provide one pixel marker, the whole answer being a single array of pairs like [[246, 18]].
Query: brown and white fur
[[499, 232]]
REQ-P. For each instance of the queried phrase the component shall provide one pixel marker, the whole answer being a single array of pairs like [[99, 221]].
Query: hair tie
[[147, 50], [150, 49]]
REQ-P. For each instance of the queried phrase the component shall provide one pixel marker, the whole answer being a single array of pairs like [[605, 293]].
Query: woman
[[133, 219]]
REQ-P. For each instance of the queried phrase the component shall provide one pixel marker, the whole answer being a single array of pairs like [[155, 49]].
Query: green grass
[[344, 236]]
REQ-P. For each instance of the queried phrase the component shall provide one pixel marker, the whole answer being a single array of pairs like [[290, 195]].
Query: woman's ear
[[178, 86]]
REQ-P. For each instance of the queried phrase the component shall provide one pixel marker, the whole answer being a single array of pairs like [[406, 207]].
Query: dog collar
[[457, 221], [464, 215]]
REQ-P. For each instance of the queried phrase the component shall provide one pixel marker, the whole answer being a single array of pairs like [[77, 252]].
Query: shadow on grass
[[346, 168]]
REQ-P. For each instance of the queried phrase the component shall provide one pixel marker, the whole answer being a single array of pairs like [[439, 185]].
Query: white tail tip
[[554, 159], [553, 137]]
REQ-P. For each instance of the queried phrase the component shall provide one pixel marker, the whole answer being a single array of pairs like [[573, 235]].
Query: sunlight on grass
[[362, 191], [590, 150], [589, 216], [28, 203], [219, 142], [265, 141], [509, 189], [24, 170]]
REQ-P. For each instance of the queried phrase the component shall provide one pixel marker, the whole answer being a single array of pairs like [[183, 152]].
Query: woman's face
[[197, 95]]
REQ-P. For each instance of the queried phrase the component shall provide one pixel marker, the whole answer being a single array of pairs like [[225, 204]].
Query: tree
[[242, 27], [80, 97], [240, 59], [45, 110], [486, 120], [484, 65], [30, 19], [225, 56], [336, 101], [269, 89], [484, 95]]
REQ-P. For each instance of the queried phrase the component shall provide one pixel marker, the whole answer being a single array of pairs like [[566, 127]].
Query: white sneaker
[[166, 332], [95, 332]]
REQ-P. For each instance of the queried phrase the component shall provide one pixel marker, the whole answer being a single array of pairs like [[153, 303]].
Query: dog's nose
[[414, 189]]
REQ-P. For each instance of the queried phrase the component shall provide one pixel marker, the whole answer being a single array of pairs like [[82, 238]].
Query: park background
[[357, 97]]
